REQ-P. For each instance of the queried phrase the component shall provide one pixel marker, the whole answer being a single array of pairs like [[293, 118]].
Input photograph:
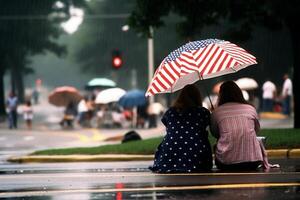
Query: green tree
[[29, 27], [101, 33], [241, 19]]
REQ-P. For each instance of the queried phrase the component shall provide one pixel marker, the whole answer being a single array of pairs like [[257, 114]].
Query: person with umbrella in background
[[185, 147], [69, 115]]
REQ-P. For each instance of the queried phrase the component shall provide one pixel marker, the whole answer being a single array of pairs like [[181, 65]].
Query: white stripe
[[219, 62], [163, 82], [226, 63], [167, 76], [210, 65], [172, 70], [206, 56], [186, 56], [238, 52], [184, 69], [158, 85]]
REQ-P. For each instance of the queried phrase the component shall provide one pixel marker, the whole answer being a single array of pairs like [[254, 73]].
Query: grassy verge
[[276, 139]]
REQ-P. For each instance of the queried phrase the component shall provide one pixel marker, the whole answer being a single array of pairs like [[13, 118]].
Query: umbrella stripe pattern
[[197, 60]]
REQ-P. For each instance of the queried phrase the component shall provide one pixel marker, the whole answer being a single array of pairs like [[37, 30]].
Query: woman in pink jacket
[[235, 124]]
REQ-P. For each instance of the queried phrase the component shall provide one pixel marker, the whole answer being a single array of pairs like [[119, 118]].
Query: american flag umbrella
[[198, 60]]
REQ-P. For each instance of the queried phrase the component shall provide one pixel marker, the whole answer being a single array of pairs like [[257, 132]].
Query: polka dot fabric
[[185, 148]]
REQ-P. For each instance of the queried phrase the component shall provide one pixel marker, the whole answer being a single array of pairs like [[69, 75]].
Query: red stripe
[[165, 78], [187, 55], [187, 64], [222, 63], [211, 57], [229, 63], [155, 87], [151, 91], [170, 74], [161, 84], [206, 52], [216, 61], [173, 68]]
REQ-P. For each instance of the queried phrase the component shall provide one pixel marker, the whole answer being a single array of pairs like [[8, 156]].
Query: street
[[132, 180]]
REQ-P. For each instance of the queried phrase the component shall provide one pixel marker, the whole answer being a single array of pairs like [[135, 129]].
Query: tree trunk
[[296, 74], [20, 84], [17, 85], [2, 95]]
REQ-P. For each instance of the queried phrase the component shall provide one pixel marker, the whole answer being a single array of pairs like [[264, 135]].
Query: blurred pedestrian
[[35, 95], [28, 114], [83, 109], [185, 147], [11, 107], [286, 94], [154, 110], [235, 125], [69, 115], [268, 96]]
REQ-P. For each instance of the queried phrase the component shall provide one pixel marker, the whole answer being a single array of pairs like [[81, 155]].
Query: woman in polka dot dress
[[185, 148]]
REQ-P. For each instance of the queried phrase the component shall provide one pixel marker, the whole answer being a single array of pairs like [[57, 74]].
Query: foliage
[[148, 13], [241, 19], [29, 27]]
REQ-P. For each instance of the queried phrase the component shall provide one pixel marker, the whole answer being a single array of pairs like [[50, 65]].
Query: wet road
[[132, 180]]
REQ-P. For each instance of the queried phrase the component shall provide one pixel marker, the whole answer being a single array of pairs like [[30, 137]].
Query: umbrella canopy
[[62, 96], [247, 83], [109, 95], [198, 60], [100, 83], [133, 98]]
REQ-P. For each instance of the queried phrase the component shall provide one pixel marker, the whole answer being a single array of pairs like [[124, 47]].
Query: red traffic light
[[117, 62]]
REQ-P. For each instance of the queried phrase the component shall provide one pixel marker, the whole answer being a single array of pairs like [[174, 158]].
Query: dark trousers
[[268, 105], [287, 105], [245, 166], [12, 119], [152, 121]]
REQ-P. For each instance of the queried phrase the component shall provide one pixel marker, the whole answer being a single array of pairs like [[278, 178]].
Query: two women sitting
[[234, 123]]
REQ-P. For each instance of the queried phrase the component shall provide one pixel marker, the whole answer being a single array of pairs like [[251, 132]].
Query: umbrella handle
[[201, 78]]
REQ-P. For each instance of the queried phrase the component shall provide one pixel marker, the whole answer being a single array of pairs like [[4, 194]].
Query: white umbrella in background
[[245, 95], [247, 83], [109, 95]]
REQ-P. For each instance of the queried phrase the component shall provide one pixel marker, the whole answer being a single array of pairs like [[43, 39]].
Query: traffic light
[[117, 59]]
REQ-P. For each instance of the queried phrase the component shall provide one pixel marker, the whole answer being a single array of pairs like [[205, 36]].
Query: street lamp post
[[150, 41], [150, 60]]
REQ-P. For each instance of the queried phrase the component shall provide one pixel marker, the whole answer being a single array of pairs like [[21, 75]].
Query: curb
[[80, 158], [274, 153]]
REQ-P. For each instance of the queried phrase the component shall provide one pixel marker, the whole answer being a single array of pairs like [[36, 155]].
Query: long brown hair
[[230, 92], [189, 96]]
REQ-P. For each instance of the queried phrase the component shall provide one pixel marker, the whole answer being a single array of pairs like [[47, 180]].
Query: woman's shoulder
[[234, 106]]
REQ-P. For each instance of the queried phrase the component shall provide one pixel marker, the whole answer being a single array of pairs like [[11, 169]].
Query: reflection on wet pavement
[[282, 193], [132, 180]]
